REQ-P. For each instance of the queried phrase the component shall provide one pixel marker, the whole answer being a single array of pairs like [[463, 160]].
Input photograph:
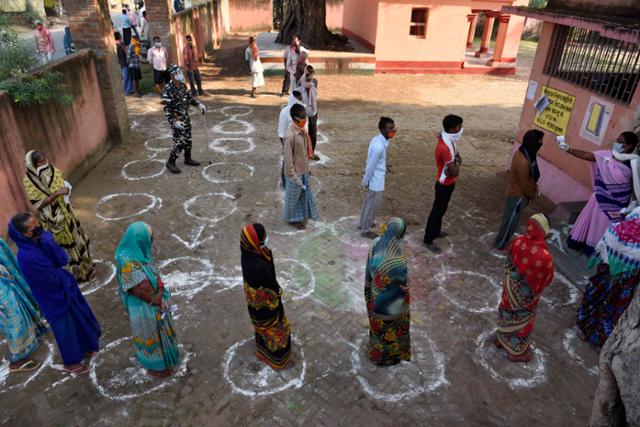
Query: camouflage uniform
[[176, 100]]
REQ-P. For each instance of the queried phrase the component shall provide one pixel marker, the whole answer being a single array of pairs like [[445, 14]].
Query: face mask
[[391, 134], [158, 44], [457, 136], [37, 232], [179, 77], [301, 122], [266, 241], [39, 169], [618, 148]]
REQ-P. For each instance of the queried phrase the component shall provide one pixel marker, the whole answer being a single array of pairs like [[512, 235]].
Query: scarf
[[530, 254], [255, 54], [620, 247], [251, 241], [634, 159], [307, 138], [136, 46], [39, 184], [312, 94], [449, 140], [530, 148]]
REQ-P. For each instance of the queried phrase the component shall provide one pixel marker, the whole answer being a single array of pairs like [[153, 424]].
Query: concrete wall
[[250, 15], [569, 179], [203, 23], [360, 21], [334, 14], [74, 138]]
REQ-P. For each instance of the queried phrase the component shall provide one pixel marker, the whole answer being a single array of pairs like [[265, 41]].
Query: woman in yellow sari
[[46, 190]]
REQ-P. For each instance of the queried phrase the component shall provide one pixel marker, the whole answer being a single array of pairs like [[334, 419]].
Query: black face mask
[[37, 232]]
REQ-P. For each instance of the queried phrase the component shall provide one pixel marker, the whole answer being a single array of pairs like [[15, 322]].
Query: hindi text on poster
[[555, 118]]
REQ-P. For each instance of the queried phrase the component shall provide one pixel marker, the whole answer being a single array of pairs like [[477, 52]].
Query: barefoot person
[[21, 322], [284, 123], [386, 292], [616, 178], [42, 263], [528, 271], [374, 175], [49, 194], [177, 99], [146, 301], [300, 203], [252, 56], [264, 299], [448, 163], [309, 90]]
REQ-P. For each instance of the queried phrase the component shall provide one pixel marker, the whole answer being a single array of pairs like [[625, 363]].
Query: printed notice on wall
[[596, 119], [532, 89], [555, 118]]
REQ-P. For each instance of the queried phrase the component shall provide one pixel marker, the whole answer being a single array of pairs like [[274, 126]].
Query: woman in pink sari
[[615, 180]]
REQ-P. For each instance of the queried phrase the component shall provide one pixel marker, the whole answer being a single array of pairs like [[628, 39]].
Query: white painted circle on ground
[[465, 296], [226, 145], [222, 172], [569, 343], [407, 380], [220, 206], [106, 272], [194, 276], [251, 377], [123, 379], [322, 138], [243, 111], [26, 377], [159, 144], [153, 203], [234, 126], [516, 375], [487, 240], [302, 285], [148, 171], [324, 159], [346, 229], [574, 292]]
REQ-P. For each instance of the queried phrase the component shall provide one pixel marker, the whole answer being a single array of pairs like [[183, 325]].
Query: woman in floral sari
[[21, 322], [386, 292], [146, 300], [528, 271], [611, 288], [264, 299], [46, 189]]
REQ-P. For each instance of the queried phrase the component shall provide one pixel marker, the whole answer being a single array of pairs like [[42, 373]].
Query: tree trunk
[[307, 20]]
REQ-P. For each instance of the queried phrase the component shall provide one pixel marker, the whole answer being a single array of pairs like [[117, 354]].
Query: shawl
[[307, 138], [259, 275], [620, 247], [250, 241], [41, 263], [135, 246], [39, 184], [11, 264], [612, 186], [388, 267], [530, 254], [530, 148]]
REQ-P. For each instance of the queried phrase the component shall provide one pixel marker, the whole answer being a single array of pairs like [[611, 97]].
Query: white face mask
[[618, 148], [456, 136], [158, 44], [179, 77]]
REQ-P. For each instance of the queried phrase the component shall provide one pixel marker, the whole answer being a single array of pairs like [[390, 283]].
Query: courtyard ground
[[456, 376]]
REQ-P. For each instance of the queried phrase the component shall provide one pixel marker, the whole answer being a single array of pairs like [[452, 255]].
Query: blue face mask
[[618, 148]]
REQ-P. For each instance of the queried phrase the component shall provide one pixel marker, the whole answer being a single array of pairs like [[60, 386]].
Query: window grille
[[418, 26], [605, 66]]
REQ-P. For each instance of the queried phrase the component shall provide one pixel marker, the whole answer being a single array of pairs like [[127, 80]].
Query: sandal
[[80, 370], [27, 366], [525, 357], [90, 354]]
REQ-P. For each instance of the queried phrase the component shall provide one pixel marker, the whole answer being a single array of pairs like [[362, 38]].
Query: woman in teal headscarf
[[386, 292], [146, 301], [20, 320]]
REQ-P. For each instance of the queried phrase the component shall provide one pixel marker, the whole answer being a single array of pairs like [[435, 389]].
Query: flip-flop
[[29, 365], [80, 370]]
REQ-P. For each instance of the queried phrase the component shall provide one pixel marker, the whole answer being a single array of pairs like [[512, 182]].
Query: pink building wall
[[250, 15], [73, 138], [570, 178], [203, 23], [334, 14], [360, 21]]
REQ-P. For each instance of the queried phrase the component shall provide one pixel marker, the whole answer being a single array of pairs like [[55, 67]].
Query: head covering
[[530, 254], [620, 247], [252, 240], [135, 246], [387, 249], [530, 147], [9, 262]]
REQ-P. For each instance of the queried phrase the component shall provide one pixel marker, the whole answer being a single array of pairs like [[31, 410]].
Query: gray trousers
[[510, 220], [370, 209]]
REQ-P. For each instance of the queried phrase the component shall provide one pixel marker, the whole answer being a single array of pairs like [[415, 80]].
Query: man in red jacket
[[448, 163]]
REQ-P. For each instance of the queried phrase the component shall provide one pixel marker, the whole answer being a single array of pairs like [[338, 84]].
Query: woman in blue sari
[[147, 302], [20, 320], [386, 292]]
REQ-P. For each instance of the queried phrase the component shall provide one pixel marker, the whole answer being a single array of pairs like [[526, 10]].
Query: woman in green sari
[[146, 301]]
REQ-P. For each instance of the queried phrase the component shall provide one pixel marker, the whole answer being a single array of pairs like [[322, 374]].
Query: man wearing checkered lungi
[[300, 203]]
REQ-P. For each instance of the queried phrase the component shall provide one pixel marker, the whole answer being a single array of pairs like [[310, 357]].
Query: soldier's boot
[[171, 163], [188, 160]]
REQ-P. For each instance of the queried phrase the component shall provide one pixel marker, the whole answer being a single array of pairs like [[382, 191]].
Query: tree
[[307, 20]]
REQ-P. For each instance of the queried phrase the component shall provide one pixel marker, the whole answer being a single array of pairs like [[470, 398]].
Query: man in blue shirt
[[127, 27], [374, 175]]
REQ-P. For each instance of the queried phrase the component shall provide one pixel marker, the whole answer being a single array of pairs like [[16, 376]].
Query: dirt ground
[[456, 378]]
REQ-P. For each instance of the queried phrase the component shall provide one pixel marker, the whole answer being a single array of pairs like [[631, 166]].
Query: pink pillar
[[501, 38], [486, 33], [473, 21]]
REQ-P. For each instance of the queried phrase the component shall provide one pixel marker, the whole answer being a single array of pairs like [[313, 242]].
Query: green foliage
[[17, 57], [538, 4]]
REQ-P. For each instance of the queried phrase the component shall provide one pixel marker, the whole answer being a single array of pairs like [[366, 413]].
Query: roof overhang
[[617, 28]]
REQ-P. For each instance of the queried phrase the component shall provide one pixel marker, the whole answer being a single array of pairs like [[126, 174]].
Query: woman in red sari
[[528, 271]]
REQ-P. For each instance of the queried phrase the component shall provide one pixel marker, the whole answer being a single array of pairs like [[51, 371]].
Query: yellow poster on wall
[[555, 117]]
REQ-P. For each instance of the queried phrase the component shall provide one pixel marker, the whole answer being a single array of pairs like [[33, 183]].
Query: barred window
[[606, 66], [418, 26]]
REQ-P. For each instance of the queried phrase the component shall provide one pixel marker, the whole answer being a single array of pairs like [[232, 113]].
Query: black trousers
[[440, 204], [287, 82], [313, 131]]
